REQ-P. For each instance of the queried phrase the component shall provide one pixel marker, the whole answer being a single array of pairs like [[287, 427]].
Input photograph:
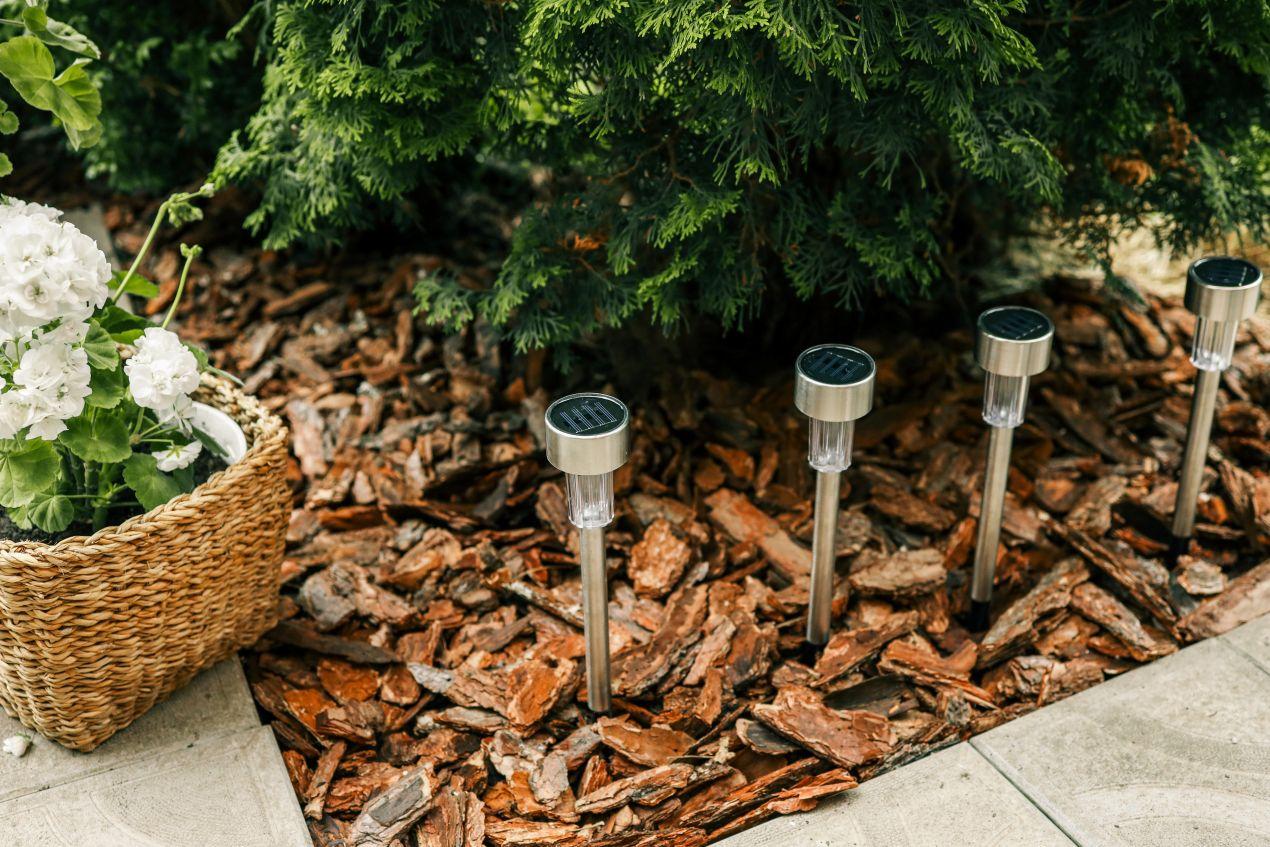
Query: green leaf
[[108, 388], [100, 347], [6, 166], [51, 512], [98, 438], [123, 326], [8, 121], [70, 95], [27, 468], [137, 284], [57, 33], [152, 486]]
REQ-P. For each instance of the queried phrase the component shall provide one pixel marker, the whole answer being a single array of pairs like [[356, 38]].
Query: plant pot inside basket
[[95, 630]]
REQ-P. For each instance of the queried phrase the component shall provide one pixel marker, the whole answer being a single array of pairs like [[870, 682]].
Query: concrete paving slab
[[953, 798], [1174, 753], [1253, 640], [217, 702], [221, 792]]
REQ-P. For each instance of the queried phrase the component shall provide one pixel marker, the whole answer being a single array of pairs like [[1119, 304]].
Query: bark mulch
[[425, 682]]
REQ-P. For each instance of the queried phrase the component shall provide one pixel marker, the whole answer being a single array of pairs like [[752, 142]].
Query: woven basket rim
[[251, 412]]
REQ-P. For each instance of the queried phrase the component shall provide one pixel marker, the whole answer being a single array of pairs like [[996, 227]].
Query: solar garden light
[[588, 439], [1221, 291], [833, 385], [1012, 345]]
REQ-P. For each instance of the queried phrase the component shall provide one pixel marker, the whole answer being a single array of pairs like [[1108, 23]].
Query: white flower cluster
[[48, 270], [162, 374], [52, 279]]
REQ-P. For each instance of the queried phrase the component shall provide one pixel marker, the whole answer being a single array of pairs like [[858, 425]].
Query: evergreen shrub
[[683, 157]]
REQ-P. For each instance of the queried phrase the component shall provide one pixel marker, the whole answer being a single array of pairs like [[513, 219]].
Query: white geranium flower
[[17, 412], [48, 270], [14, 206], [50, 386], [178, 456], [17, 745], [162, 374]]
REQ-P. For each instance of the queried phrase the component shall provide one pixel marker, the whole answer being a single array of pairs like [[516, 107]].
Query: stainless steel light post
[[833, 385], [588, 438], [1221, 291], [1012, 345]]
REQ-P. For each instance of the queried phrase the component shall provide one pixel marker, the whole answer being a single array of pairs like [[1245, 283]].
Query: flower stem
[[180, 288], [145, 248]]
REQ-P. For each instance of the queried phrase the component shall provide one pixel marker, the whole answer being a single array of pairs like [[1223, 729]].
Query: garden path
[[196, 771], [1173, 753]]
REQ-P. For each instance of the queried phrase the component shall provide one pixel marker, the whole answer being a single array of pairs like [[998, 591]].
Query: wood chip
[[908, 573], [847, 738], [1101, 607], [1245, 598], [1016, 627]]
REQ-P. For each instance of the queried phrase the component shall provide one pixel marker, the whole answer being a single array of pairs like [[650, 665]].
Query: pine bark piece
[[523, 833], [748, 796], [538, 688], [803, 797], [646, 788], [1067, 678], [302, 635], [1241, 487], [465, 686], [307, 431], [847, 649], [443, 826], [1016, 627], [399, 687], [906, 573], [1092, 512], [760, 739], [1200, 578], [658, 561], [846, 738], [570, 613], [750, 655], [1089, 427], [1100, 606], [649, 746], [909, 509], [320, 784], [1245, 598], [395, 810], [347, 681], [327, 597], [924, 666], [1147, 582], [644, 669], [744, 521]]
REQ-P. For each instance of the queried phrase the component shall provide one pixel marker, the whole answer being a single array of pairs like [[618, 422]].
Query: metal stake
[[1013, 344], [1221, 291], [588, 438], [833, 385]]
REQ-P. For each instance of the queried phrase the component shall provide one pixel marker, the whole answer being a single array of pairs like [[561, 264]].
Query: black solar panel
[[587, 414], [1016, 323], [835, 365], [1226, 272]]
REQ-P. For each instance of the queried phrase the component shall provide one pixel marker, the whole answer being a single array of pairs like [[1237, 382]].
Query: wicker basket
[[94, 631]]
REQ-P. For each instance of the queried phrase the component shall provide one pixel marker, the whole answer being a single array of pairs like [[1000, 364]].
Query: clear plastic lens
[[590, 499], [829, 445], [1214, 344], [1004, 398]]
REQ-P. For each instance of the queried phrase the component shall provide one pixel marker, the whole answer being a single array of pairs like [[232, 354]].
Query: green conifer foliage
[[700, 156]]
